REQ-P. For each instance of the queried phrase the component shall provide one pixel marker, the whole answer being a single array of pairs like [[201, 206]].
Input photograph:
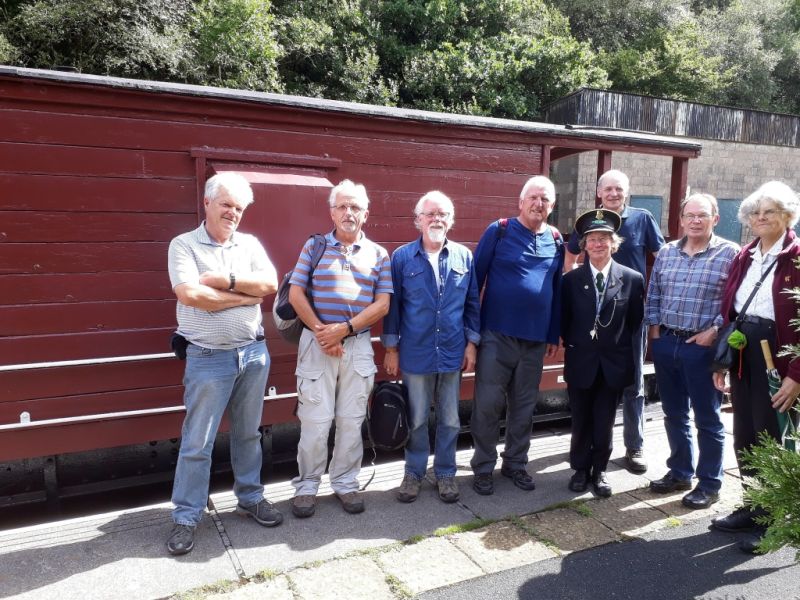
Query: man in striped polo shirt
[[350, 291], [220, 277]]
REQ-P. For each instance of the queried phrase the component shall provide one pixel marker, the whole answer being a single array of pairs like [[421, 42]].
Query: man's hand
[[704, 338], [391, 361], [653, 332], [329, 337], [470, 355], [720, 383], [551, 350]]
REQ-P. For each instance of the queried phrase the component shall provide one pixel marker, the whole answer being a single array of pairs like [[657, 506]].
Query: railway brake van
[[98, 174]]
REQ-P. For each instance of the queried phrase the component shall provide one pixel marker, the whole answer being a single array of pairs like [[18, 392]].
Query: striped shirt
[[193, 253], [345, 282], [685, 292]]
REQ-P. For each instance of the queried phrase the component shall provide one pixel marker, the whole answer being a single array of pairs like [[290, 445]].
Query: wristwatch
[[233, 282]]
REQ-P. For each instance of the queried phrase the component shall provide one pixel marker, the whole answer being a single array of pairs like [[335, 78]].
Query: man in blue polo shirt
[[518, 263], [434, 320], [640, 234]]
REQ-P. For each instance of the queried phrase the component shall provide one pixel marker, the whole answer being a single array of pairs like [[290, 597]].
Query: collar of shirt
[[606, 270], [332, 241], [420, 249], [204, 238], [777, 247]]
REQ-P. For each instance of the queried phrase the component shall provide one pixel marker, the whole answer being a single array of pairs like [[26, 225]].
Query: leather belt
[[681, 333]]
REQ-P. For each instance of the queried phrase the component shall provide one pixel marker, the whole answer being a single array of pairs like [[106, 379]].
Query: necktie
[[598, 282]]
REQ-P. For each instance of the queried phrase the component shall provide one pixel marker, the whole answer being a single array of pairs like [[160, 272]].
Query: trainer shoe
[[409, 488], [262, 512], [520, 478], [181, 539], [634, 461], [448, 489]]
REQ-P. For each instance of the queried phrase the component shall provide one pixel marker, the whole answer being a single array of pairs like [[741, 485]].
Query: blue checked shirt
[[685, 292]]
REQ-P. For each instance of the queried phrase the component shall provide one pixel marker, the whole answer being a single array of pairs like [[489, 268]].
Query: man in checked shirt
[[682, 311]]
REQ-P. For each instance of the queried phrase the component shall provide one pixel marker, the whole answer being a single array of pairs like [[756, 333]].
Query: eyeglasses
[[353, 208], [768, 213], [700, 216], [444, 216]]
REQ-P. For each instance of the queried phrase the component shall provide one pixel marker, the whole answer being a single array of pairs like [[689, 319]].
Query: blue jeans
[[216, 381], [633, 398], [424, 390], [684, 379]]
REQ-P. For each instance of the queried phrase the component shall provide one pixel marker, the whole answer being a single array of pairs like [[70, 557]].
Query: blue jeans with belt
[[216, 381], [442, 391], [683, 374]]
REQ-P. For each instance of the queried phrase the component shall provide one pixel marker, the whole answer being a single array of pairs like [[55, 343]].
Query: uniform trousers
[[593, 411]]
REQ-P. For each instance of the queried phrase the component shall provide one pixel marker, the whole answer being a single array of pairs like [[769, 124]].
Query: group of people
[[501, 313]]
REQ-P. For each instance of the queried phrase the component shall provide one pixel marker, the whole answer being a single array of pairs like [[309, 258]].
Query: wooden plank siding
[[98, 174], [602, 108]]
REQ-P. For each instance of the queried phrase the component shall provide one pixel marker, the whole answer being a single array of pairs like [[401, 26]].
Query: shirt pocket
[[414, 281]]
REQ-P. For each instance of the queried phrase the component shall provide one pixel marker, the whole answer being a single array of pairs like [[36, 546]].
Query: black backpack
[[387, 415], [287, 323]]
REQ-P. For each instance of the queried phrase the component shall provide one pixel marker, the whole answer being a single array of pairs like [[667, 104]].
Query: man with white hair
[[640, 234], [434, 321], [220, 277], [350, 290], [518, 263]]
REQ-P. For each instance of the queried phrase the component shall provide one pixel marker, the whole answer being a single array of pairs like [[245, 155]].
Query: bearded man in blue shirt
[[431, 334]]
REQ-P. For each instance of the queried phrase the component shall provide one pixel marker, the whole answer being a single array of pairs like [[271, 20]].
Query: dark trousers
[[750, 395], [593, 411]]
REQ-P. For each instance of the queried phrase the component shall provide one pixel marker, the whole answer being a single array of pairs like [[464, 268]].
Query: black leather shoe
[[520, 478], [601, 486], [751, 541], [698, 498], [668, 484], [739, 520], [579, 481], [483, 483]]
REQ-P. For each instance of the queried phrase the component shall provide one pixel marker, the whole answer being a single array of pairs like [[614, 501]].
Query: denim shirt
[[432, 324]]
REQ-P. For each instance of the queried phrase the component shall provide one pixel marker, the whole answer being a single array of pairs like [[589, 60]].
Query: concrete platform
[[122, 555]]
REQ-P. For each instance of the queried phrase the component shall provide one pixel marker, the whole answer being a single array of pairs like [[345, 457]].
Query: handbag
[[723, 351]]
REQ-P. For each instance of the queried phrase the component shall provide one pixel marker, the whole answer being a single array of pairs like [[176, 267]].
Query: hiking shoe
[[351, 502], [262, 512], [448, 489], [483, 484], [181, 540], [634, 461], [520, 478], [304, 506], [409, 489]]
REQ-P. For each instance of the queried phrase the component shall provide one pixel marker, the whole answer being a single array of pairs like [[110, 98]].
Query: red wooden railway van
[[98, 174]]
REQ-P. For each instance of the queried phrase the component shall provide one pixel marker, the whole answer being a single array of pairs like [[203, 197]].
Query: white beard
[[436, 235]]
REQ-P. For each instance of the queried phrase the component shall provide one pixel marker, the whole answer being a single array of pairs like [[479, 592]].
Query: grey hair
[[355, 190], [439, 198], [626, 182], [698, 196], [616, 240], [539, 181], [777, 191], [236, 185]]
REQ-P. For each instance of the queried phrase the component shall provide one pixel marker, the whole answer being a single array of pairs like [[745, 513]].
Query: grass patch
[[218, 587], [584, 509], [264, 576], [463, 527], [673, 522], [398, 588]]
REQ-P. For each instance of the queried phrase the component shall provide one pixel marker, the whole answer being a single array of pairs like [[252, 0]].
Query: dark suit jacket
[[621, 313]]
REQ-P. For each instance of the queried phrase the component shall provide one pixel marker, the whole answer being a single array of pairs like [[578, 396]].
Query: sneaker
[[181, 540], [520, 478], [448, 489], [483, 484], [304, 506], [634, 461], [409, 489], [351, 502], [262, 512], [742, 519]]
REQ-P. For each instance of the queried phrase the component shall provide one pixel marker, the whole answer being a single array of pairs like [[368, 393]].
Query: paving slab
[[274, 589], [568, 530], [118, 555], [628, 515], [354, 578], [501, 546], [429, 564]]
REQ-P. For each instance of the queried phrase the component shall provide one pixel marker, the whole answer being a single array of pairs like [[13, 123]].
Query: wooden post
[[677, 190], [603, 165]]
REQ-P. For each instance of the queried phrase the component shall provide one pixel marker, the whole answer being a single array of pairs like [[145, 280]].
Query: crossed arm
[[211, 293]]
